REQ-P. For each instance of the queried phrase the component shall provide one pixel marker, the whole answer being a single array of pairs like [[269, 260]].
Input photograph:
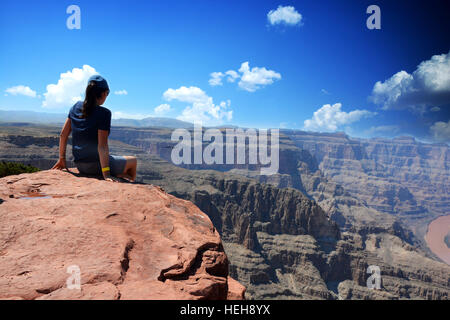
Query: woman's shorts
[[116, 166]]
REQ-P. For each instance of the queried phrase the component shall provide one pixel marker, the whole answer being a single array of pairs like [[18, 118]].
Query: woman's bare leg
[[129, 172], [132, 170]]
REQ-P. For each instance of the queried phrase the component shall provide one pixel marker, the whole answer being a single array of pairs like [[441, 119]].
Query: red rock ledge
[[129, 241]]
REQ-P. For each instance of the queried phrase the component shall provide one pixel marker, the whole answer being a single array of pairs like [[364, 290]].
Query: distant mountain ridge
[[32, 117], [10, 116], [152, 122]]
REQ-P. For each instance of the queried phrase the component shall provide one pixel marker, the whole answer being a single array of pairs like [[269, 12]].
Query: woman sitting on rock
[[90, 125]]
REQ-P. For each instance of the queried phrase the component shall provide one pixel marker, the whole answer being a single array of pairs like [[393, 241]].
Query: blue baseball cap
[[100, 81]]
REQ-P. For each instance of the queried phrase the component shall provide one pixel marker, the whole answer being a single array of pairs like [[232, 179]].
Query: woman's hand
[[111, 178], [61, 164]]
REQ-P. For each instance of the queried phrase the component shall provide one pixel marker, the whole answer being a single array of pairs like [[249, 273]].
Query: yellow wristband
[[105, 169]]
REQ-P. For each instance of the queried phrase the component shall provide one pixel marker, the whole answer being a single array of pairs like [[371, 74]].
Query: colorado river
[[437, 231]]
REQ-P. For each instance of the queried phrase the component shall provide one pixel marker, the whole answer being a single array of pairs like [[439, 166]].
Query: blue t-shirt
[[85, 131]]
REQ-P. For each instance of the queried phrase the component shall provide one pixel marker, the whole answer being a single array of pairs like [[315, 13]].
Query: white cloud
[[253, 79], [162, 109], [284, 15], [330, 118], [427, 86], [250, 79], [22, 90], [185, 94], [325, 92], [121, 92], [202, 108], [441, 131], [231, 75], [69, 89], [216, 79]]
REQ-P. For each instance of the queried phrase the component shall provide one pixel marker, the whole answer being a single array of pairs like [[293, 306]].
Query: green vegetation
[[11, 168]]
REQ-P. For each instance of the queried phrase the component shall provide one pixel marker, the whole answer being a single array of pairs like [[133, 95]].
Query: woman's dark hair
[[93, 92]]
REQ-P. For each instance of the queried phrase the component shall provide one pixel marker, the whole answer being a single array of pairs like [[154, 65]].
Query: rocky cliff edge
[[116, 240]]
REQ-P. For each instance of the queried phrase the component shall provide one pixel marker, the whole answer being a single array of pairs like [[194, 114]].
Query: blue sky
[[162, 53]]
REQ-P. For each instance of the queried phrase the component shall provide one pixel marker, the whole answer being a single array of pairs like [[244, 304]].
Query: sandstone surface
[[128, 241]]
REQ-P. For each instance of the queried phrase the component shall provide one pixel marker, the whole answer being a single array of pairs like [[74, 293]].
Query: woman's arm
[[103, 152], [63, 137]]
